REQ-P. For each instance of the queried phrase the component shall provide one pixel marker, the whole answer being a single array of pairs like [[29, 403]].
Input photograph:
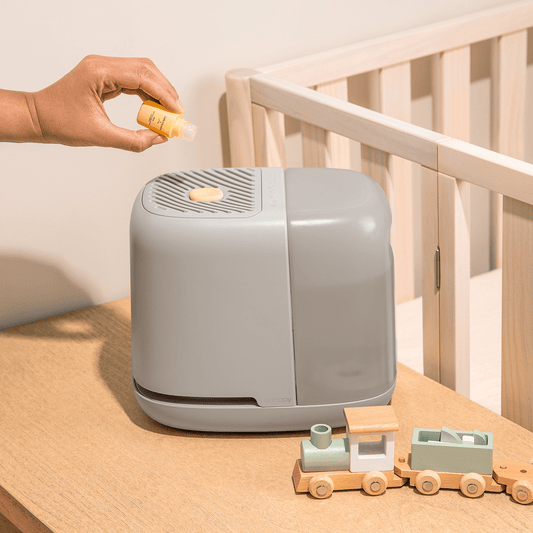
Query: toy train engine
[[364, 459]]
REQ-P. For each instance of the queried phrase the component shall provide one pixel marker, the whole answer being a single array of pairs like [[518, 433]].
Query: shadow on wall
[[32, 290]]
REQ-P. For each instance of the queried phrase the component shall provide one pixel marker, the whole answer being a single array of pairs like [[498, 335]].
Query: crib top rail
[[485, 168]]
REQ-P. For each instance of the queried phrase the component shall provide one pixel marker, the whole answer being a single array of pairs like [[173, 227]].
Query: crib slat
[[451, 116], [315, 151], [451, 93], [337, 145], [430, 293], [517, 312], [239, 104], [453, 201], [376, 164], [508, 96], [322, 148], [390, 92], [396, 102], [269, 137]]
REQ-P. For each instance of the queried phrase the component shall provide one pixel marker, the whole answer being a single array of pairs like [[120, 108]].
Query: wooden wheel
[[374, 483], [321, 486], [428, 482], [522, 491], [472, 485]]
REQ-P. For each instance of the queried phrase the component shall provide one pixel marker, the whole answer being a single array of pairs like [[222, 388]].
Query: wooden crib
[[314, 91]]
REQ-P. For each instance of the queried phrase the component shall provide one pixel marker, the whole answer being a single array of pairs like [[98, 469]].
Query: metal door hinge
[[437, 268]]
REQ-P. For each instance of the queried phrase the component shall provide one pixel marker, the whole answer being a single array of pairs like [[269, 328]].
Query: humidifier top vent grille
[[168, 194]]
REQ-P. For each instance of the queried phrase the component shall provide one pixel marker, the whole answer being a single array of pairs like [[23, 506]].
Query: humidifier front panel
[[211, 310], [342, 284]]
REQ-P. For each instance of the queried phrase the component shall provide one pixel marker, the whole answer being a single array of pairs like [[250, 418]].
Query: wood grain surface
[[77, 454]]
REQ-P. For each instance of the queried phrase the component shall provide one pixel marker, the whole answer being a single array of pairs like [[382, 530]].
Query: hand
[[71, 111]]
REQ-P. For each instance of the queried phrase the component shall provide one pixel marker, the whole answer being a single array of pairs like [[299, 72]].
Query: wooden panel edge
[[454, 297], [18, 515], [517, 313], [430, 291]]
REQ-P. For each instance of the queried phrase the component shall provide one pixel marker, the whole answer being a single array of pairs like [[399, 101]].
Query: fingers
[[139, 74], [133, 141], [121, 90]]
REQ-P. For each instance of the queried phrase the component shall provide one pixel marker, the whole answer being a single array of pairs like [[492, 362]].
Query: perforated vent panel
[[168, 194]]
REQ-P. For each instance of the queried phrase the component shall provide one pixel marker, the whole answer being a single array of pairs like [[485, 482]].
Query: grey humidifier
[[262, 298]]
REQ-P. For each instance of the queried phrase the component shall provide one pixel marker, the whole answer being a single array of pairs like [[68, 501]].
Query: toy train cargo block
[[447, 450]]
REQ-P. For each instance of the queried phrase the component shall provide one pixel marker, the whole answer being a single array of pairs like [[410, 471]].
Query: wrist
[[19, 121]]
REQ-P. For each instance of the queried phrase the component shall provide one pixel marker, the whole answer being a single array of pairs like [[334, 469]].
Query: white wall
[[64, 212]]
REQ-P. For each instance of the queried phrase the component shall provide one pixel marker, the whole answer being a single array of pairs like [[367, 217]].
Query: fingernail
[[179, 105], [160, 140]]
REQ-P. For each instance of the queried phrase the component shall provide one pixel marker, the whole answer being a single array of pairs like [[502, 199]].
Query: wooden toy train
[[443, 458]]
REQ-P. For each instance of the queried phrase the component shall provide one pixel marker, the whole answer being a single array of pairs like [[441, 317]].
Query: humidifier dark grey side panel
[[218, 288], [342, 285]]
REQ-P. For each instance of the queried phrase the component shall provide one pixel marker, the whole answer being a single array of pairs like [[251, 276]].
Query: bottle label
[[157, 121]]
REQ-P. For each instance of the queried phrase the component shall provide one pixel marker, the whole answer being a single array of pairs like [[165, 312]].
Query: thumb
[[133, 141]]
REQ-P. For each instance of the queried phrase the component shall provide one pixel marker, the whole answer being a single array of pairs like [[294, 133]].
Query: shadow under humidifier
[[262, 298]]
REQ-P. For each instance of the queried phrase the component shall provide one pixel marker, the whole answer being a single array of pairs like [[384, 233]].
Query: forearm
[[18, 118]]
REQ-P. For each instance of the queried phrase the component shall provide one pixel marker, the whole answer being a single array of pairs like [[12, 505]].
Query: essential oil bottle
[[159, 119]]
